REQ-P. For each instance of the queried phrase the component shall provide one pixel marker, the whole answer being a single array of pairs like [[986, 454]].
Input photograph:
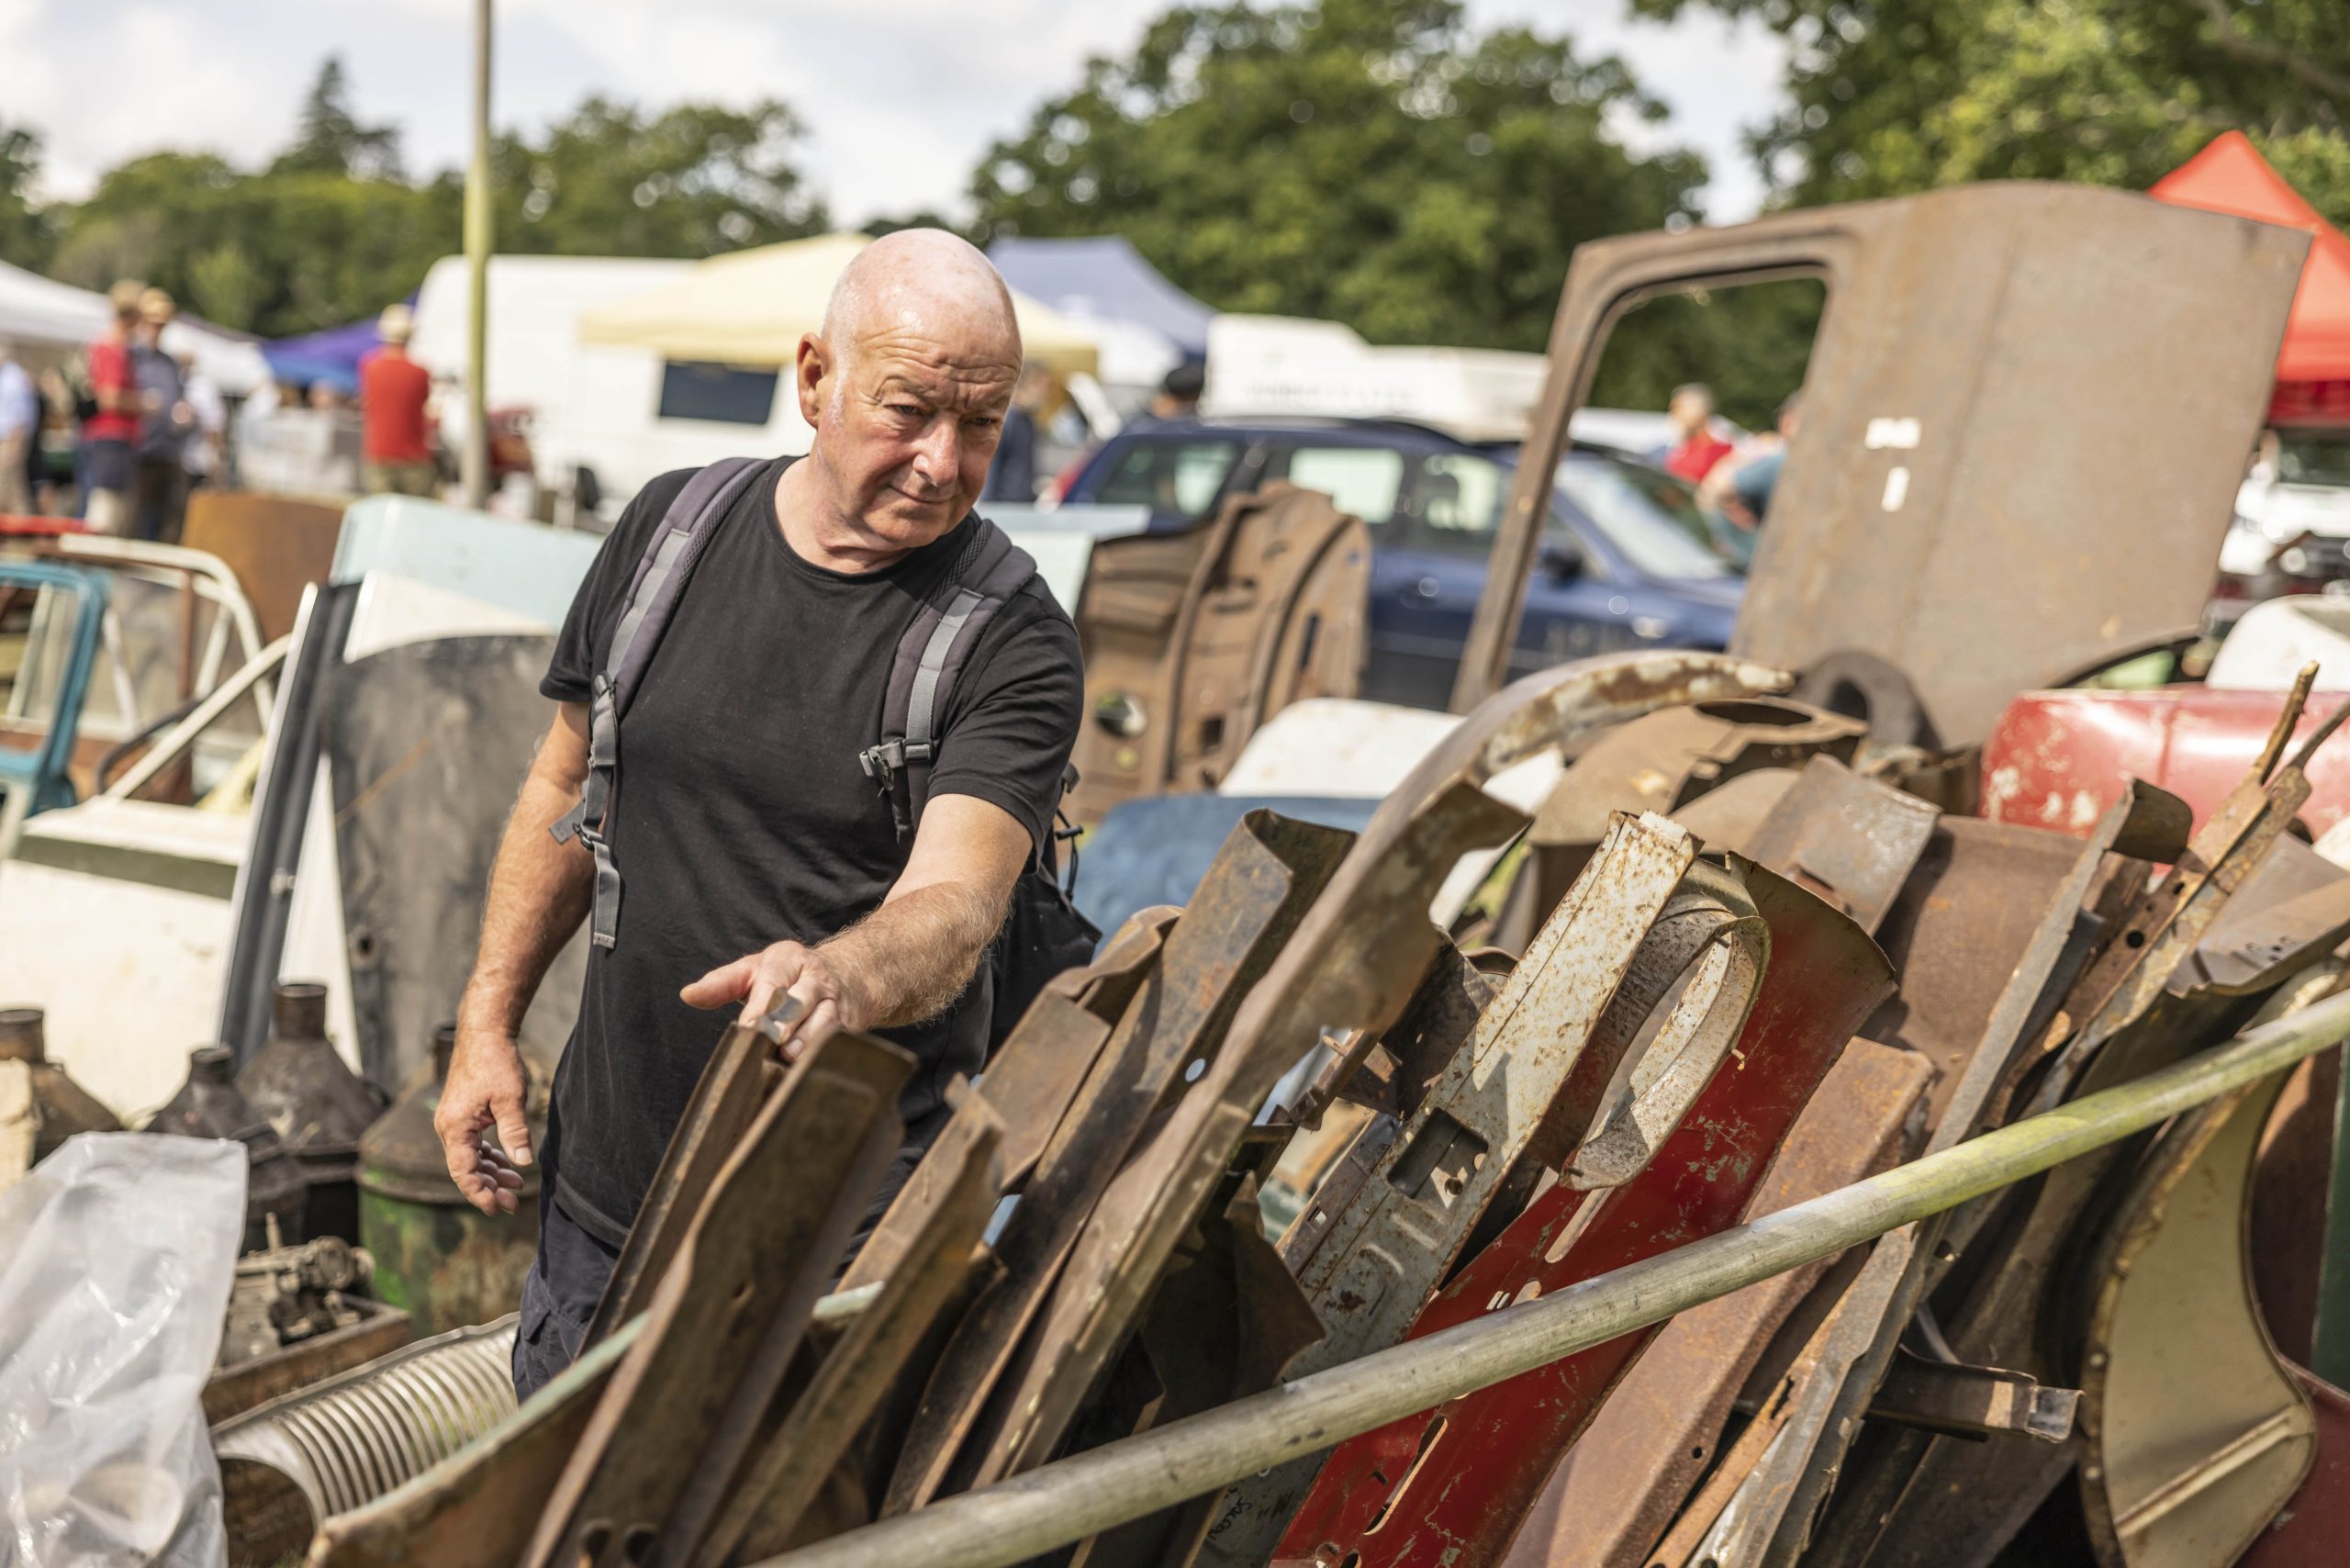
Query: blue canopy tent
[[331, 356], [1105, 282]]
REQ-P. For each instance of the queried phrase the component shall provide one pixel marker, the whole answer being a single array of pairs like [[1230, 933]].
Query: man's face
[[1691, 410], [907, 421]]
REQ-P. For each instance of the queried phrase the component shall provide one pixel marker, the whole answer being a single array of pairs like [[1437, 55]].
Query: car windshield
[[2313, 460], [1650, 516]]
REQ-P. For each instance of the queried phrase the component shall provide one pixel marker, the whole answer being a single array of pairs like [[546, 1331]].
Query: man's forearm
[[539, 892], [909, 961]]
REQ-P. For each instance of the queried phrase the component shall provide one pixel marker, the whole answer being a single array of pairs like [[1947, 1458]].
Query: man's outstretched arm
[[910, 958], [539, 892]]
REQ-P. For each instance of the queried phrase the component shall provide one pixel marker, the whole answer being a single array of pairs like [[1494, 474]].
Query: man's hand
[[484, 1091], [828, 1003]]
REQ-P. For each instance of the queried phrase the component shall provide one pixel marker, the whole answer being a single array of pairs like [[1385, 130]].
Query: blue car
[[1627, 561]]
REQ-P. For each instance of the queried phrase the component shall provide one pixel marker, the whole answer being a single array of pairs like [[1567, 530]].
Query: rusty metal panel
[[761, 1513], [1992, 415], [477, 1508], [2313, 1525], [1193, 640], [1521, 1095], [1354, 962], [1971, 910], [1028, 1087], [735, 1084], [1669, 759], [1260, 886], [276, 546], [1226, 1320], [2194, 1432], [671, 1437], [1851, 840], [1919, 1499], [1816, 1412], [1455, 1484], [1610, 1499]]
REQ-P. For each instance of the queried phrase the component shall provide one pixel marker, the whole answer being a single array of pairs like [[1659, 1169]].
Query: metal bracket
[[1973, 1401]]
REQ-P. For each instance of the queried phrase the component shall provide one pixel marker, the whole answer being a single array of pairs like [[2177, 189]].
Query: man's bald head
[[925, 281], [905, 386]]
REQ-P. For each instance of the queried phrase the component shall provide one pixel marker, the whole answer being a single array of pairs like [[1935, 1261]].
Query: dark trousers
[[159, 498], [573, 1266]]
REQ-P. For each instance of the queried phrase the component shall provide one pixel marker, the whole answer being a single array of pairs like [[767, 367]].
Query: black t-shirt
[[742, 819]]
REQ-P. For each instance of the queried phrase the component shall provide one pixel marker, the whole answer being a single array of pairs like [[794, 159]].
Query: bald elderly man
[[756, 854]]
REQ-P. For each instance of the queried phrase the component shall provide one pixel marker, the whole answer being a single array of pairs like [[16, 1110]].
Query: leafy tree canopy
[[1889, 96], [331, 230], [1372, 161], [330, 140]]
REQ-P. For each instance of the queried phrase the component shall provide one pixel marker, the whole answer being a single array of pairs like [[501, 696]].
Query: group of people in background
[[141, 426], [1734, 481]]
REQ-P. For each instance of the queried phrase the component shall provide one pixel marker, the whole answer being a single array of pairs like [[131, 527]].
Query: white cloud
[[901, 97]]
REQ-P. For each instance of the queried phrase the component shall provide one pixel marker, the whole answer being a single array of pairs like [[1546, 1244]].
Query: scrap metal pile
[[1827, 979]]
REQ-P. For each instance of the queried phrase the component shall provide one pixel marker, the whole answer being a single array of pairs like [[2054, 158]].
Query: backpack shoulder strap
[[929, 658], [669, 560]]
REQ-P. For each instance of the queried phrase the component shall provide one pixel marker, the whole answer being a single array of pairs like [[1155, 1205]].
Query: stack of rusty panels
[[1686, 1037]]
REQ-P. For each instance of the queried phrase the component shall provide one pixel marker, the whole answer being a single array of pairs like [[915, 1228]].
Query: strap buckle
[[884, 761]]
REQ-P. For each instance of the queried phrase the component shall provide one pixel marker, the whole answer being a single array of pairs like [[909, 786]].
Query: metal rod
[[2295, 700], [2317, 736], [476, 463], [1073, 1498]]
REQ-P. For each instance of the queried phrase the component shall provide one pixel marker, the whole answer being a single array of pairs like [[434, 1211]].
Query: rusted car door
[[2027, 410]]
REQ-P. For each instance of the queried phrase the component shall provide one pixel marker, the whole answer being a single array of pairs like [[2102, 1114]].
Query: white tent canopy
[[39, 312]]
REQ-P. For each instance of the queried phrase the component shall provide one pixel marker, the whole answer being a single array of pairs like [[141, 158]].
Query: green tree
[[1889, 96], [1370, 161], [26, 230], [330, 140], [288, 250], [330, 230], [610, 180]]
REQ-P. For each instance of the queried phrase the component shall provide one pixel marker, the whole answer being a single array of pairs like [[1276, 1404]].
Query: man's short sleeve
[[588, 629], [1013, 719]]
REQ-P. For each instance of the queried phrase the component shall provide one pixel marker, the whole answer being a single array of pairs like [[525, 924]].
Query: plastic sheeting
[[116, 1258]]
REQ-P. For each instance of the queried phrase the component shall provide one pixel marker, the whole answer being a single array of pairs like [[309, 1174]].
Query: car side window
[[1179, 476], [1457, 499], [1364, 480]]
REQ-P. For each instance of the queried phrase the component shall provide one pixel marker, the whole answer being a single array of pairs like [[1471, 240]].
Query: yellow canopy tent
[[750, 307]]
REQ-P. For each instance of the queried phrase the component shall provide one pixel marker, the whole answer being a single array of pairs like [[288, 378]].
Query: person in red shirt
[[110, 435], [1694, 454], [396, 442]]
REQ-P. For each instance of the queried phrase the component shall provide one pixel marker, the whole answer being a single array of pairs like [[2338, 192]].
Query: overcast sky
[[901, 95]]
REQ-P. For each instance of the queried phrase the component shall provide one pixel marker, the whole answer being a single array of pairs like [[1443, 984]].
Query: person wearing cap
[[396, 441], [111, 429], [159, 476]]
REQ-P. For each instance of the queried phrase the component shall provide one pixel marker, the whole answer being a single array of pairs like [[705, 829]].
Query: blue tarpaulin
[[1104, 279], [331, 356]]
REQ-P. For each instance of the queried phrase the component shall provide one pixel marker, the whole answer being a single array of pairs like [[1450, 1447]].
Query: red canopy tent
[[2313, 370]]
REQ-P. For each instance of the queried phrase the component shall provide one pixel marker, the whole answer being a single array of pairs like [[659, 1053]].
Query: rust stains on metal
[[1456, 1484], [1909, 507], [1192, 640], [1620, 1485]]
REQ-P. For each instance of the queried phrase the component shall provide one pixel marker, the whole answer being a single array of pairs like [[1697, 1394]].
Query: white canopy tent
[[42, 314]]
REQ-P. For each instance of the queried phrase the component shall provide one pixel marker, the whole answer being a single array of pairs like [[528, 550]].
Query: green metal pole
[[1073, 1498], [475, 465]]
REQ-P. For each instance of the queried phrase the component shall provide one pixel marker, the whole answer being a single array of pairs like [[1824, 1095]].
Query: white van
[[623, 414]]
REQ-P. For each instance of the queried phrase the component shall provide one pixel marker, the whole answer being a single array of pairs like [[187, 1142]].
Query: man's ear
[[812, 377]]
